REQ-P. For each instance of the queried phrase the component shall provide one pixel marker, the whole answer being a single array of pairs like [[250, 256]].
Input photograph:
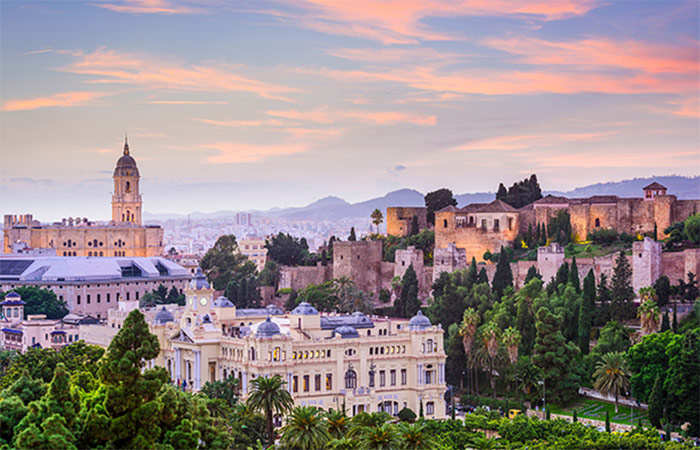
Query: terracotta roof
[[601, 199], [551, 199], [654, 186], [497, 206], [473, 207], [449, 208]]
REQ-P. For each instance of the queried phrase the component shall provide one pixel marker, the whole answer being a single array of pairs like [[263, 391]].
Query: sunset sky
[[241, 105]]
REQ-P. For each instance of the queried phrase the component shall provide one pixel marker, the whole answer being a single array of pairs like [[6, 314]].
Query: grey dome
[[360, 317], [346, 332], [223, 302], [164, 316], [126, 165], [199, 281], [274, 310], [419, 322], [305, 309], [267, 329]]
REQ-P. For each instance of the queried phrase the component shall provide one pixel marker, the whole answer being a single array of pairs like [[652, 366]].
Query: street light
[[544, 393]]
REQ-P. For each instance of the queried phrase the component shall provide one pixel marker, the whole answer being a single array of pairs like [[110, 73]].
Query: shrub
[[627, 238], [603, 236], [407, 415]]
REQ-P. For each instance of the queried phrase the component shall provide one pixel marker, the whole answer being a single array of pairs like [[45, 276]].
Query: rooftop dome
[[13, 294], [274, 310], [419, 322], [267, 329], [126, 162], [346, 332], [223, 302], [199, 281], [305, 309], [164, 316]]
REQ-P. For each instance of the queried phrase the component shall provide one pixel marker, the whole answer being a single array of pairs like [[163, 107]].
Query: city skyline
[[255, 105]]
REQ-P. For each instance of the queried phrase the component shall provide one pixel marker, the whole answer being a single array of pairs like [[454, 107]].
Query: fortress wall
[[663, 208], [520, 269], [684, 208], [399, 219]]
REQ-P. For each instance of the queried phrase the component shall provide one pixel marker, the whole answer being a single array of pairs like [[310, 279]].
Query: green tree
[[532, 273], [482, 278], [337, 423], [602, 315], [221, 261], [305, 429], [131, 391], [287, 250], [227, 390], [621, 294], [682, 383], [381, 437], [415, 436], [270, 275], [270, 397], [377, 218], [585, 316], [657, 400], [407, 303], [352, 236], [665, 323], [560, 227], [573, 276], [521, 193], [662, 287], [648, 315], [511, 340], [436, 200], [40, 301], [503, 277], [554, 356], [611, 375], [692, 228], [647, 359]]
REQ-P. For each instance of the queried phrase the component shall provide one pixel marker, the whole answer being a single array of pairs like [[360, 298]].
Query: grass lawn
[[595, 409], [595, 250]]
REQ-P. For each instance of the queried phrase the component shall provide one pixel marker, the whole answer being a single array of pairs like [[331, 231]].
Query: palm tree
[[483, 443], [337, 423], [648, 314], [511, 339], [489, 339], [305, 429], [467, 330], [377, 218], [270, 397], [343, 443], [611, 375], [415, 436], [382, 437]]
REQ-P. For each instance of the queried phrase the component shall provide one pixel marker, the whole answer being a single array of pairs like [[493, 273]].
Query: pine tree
[[621, 292], [502, 192], [602, 315], [482, 277], [554, 355], [409, 294], [573, 276], [656, 402], [665, 323], [562, 276], [585, 317], [352, 236], [503, 276]]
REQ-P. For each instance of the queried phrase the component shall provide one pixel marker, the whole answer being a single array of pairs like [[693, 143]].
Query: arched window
[[128, 186], [252, 354], [350, 379], [597, 222], [444, 223]]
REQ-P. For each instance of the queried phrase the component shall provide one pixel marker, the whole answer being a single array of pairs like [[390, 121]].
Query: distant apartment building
[[92, 286], [188, 261], [125, 235], [254, 249]]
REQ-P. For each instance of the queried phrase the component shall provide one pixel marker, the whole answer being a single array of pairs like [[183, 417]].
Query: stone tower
[[646, 263], [126, 199]]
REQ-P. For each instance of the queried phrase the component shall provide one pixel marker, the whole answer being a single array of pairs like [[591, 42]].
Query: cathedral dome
[[126, 162], [305, 309], [267, 329], [419, 322]]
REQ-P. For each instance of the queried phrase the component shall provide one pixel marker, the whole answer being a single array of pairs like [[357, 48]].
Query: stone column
[[197, 369]]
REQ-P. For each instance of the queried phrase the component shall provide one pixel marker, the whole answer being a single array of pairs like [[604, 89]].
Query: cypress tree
[[607, 421], [472, 276], [665, 323], [575, 416], [562, 276], [538, 233], [352, 236], [675, 319], [482, 277], [408, 299], [528, 236], [503, 276], [621, 292], [602, 316], [324, 258], [585, 317], [573, 276], [414, 226], [656, 402], [532, 273]]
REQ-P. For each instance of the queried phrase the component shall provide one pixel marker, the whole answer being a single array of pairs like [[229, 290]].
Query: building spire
[[126, 144]]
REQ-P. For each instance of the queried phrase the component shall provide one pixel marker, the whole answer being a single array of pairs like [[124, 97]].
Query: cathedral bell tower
[[126, 200]]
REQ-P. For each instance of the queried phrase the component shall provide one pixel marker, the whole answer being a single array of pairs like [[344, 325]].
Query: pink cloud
[[324, 115], [617, 159], [63, 99], [184, 102], [634, 55], [318, 115], [236, 152], [110, 66], [400, 21], [150, 7], [527, 141], [393, 117]]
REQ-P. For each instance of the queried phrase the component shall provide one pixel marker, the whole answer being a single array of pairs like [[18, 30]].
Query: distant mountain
[[682, 187], [333, 208]]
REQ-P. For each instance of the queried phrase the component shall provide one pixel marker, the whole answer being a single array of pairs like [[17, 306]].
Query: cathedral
[[124, 235]]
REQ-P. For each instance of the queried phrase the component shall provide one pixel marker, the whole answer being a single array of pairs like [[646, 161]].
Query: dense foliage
[[521, 193], [436, 200], [40, 301]]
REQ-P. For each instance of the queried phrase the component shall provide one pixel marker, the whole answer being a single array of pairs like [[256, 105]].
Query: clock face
[[203, 301]]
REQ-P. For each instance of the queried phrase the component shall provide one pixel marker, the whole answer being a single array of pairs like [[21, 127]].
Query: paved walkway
[[592, 393]]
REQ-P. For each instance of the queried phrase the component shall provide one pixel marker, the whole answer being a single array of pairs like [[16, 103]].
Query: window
[[295, 383], [305, 384], [98, 298], [404, 377], [329, 381], [483, 224], [428, 377], [444, 223], [371, 378], [107, 297], [317, 382], [382, 378], [597, 222], [350, 379], [430, 408], [510, 224], [78, 299], [392, 377]]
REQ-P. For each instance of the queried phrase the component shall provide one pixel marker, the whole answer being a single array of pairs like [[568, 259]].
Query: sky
[[251, 105]]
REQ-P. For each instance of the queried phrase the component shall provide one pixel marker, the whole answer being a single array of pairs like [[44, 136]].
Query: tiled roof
[[496, 206], [654, 186], [551, 199], [601, 199], [449, 208]]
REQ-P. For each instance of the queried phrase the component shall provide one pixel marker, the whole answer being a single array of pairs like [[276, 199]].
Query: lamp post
[[543, 382]]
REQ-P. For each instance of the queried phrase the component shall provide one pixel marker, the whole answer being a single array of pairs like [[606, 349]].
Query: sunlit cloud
[[237, 123], [528, 141], [111, 66], [401, 21], [687, 107], [151, 7], [63, 99], [237, 152], [36, 52], [184, 102], [614, 158], [325, 115]]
